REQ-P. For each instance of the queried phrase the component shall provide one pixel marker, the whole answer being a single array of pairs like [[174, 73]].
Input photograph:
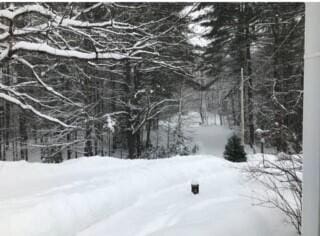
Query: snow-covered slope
[[107, 196]]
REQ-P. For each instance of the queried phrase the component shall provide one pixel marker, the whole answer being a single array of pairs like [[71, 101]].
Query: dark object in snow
[[234, 151], [195, 149], [195, 188]]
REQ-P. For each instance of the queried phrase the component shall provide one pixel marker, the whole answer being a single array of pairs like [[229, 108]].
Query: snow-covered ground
[[107, 196], [211, 138]]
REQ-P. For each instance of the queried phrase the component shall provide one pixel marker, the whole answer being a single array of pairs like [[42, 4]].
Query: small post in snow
[[262, 141], [195, 187]]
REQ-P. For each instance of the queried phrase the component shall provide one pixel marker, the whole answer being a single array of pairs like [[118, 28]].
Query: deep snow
[[107, 196]]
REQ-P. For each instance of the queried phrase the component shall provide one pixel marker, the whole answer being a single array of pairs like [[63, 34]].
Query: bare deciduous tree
[[282, 179]]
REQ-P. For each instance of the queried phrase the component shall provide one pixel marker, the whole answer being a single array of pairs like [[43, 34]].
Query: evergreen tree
[[234, 150], [266, 40], [231, 36]]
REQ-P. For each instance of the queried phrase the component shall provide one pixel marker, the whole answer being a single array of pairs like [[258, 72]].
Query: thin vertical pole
[[311, 124], [109, 143], [242, 107]]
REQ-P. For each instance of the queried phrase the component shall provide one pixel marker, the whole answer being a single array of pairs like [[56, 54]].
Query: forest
[[217, 87], [85, 79]]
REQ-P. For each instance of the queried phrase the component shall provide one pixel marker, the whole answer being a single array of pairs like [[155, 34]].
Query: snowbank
[[107, 196]]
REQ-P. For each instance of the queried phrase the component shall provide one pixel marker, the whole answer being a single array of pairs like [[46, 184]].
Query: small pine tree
[[234, 151]]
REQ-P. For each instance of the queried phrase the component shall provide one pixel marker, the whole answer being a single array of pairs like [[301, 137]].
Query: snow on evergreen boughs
[[234, 151]]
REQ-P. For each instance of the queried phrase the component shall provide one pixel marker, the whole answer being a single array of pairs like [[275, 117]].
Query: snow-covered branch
[[45, 48], [30, 108], [150, 112], [57, 20], [42, 83]]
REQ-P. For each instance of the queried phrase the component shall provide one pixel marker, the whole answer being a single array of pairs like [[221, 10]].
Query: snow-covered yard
[[107, 196], [98, 79]]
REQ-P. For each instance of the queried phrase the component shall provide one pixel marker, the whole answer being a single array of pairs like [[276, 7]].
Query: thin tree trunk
[[129, 87], [157, 128], [277, 72], [148, 141], [138, 143], [242, 128], [168, 134], [76, 137], [88, 144], [24, 138], [250, 82], [68, 149], [234, 116], [131, 145]]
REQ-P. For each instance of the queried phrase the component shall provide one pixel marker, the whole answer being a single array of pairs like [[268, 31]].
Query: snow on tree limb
[[57, 20], [148, 115], [21, 95], [4, 54], [33, 110], [43, 84], [45, 48], [10, 14], [94, 6]]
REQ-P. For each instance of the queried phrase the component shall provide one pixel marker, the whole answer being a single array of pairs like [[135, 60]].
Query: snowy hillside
[[107, 196]]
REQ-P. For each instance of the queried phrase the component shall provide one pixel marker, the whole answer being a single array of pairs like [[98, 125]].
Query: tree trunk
[[234, 116], [138, 143], [75, 138], [242, 123], [278, 76], [24, 138], [68, 149], [129, 89], [7, 110], [131, 143], [168, 134], [88, 144], [250, 83], [148, 141]]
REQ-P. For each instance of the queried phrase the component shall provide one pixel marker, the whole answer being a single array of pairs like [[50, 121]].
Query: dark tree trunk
[[234, 116], [68, 149], [148, 141], [138, 144], [278, 75], [7, 117], [95, 146], [129, 88], [250, 82], [131, 143], [24, 138], [76, 137], [88, 144]]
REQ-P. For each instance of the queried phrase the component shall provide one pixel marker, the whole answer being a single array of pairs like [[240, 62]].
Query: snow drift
[[107, 196]]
